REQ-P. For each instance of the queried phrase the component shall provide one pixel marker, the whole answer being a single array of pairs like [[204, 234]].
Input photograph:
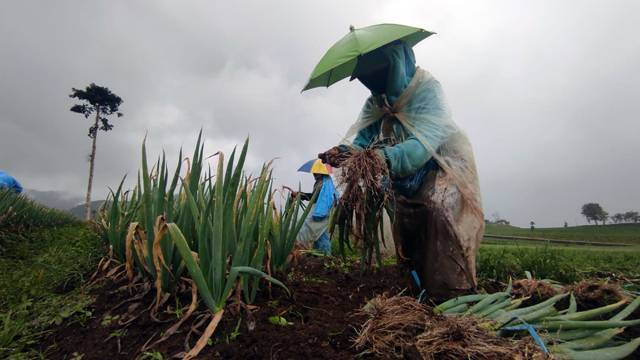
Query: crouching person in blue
[[314, 232]]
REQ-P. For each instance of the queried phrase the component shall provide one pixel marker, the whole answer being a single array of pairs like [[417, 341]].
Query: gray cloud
[[546, 90]]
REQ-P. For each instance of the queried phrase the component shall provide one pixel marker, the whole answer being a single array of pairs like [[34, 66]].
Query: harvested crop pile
[[535, 290], [593, 294], [461, 337], [392, 325], [365, 179], [399, 326]]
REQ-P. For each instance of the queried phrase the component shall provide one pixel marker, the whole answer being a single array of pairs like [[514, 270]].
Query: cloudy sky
[[548, 91]]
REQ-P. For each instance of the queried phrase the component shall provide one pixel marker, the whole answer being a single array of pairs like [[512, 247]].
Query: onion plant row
[[19, 213], [219, 227]]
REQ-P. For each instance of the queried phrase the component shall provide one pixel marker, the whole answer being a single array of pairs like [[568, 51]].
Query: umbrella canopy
[[341, 59], [315, 166]]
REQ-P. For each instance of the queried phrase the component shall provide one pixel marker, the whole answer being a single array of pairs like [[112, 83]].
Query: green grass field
[[619, 233], [500, 258], [42, 268], [561, 263], [41, 272]]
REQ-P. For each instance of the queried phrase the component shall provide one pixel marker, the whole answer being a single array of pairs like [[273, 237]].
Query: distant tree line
[[497, 222], [594, 212], [497, 219], [626, 217]]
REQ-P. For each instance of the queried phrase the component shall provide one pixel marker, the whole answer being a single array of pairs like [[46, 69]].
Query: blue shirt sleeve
[[406, 158]]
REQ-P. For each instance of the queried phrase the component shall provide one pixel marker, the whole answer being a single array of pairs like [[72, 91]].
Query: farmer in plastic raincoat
[[437, 214], [314, 230], [9, 182]]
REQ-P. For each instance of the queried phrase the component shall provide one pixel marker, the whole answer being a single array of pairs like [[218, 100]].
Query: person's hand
[[335, 156], [293, 192]]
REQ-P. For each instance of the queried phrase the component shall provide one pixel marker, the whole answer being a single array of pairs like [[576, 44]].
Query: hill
[[54, 199], [78, 211], [619, 233]]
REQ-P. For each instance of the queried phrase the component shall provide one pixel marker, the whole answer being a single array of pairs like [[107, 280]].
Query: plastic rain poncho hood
[[387, 70]]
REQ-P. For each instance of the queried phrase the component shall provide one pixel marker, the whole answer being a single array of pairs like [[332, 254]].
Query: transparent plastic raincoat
[[438, 220]]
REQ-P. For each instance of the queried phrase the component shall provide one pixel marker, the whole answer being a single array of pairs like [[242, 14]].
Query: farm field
[[43, 274], [44, 311], [203, 268], [441, 180], [617, 233], [559, 262], [500, 258]]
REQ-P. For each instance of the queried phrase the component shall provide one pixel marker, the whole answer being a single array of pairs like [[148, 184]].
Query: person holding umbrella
[[314, 230], [437, 216]]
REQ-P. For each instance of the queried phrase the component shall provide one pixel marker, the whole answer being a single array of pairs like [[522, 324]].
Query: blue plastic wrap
[[9, 182]]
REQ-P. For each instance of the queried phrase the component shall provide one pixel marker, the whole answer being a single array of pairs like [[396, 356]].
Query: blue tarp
[[8, 181]]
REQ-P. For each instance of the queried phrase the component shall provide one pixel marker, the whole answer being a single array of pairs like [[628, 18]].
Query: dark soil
[[325, 295]]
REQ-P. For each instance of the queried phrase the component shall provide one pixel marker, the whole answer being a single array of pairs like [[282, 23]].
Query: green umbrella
[[341, 59]]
